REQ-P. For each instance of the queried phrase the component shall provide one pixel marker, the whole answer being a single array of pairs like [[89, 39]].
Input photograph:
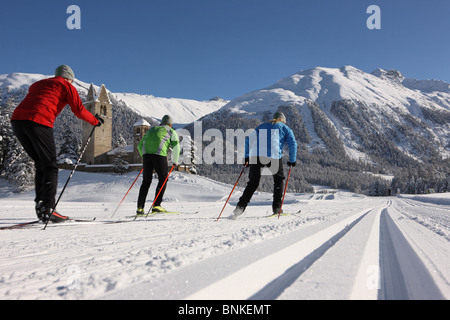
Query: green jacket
[[158, 140]]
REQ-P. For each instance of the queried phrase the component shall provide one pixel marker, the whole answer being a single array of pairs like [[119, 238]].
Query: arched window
[[103, 110]]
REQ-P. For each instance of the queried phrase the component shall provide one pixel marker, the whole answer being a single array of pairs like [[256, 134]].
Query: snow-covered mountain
[[346, 120], [355, 107], [326, 85], [183, 111]]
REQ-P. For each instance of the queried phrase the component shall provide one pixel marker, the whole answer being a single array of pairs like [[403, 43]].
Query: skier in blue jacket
[[264, 148]]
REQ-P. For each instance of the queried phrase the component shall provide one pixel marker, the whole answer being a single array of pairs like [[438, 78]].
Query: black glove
[[246, 162], [291, 164], [100, 120]]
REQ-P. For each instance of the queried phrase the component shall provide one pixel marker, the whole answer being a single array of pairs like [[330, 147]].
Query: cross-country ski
[[152, 214]]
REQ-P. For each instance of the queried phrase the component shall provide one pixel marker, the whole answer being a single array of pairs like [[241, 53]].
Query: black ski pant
[[161, 167], [39, 143], [276, 167]]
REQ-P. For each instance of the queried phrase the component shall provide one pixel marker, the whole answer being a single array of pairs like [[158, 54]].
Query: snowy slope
[[325, 85], [15, 81], [182, 110], [409, 112], [342, 245], [19, 80]]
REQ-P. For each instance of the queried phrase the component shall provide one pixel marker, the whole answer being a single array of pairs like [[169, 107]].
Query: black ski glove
[[292, 164], [100, 120]]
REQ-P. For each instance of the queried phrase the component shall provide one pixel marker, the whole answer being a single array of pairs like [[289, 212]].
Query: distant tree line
[[331, 165], [15, 165]]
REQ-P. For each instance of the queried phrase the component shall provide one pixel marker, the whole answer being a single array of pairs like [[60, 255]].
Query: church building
[[99, 150], [100, 143], [99, 155]]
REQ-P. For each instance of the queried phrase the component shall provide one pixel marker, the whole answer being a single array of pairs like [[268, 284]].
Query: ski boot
[[38, 207], [158, 209], [277, 211], [239, 210], [140, 212], [55, 217]]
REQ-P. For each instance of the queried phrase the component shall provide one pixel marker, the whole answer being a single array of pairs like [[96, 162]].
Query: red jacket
[[46, 99]]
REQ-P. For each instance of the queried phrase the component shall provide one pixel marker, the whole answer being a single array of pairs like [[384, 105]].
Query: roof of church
[[102, 96], [142, 122]]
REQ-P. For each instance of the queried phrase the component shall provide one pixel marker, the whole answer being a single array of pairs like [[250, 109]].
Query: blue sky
[[198, 49]]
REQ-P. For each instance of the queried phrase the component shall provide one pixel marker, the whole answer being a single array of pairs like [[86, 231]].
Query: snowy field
[[341, 246]]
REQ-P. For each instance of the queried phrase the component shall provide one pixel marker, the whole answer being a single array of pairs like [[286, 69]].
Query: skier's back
[[33, 121], [264, 148], [154, 148]]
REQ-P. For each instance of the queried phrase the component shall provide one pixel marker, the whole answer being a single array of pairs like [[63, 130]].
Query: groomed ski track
[[341, 246], [383, 264]]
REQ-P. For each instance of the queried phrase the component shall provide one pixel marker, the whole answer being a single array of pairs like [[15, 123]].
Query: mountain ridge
[[382, 93], [350, 123], [351, 126], [182, 110]]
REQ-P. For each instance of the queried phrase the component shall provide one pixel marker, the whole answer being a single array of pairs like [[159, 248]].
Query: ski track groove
[[399, 268], [400, 275], [403, 274], [276, 287], [273, 286]]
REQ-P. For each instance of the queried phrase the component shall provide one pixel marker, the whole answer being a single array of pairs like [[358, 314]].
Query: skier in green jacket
[[154, 148]]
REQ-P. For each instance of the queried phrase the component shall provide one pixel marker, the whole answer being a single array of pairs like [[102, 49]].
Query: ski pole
[[162, 187], [284, 193], [127, 192], [71, 174], [232, 192]]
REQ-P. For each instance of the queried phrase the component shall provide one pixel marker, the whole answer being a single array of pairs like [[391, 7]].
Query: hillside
[[352, 122], [350, 99]]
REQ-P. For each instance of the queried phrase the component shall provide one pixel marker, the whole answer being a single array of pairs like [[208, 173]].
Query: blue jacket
[[269, 139]]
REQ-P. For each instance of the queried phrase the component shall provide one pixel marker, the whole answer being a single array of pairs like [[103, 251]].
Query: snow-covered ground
[[341, 246]]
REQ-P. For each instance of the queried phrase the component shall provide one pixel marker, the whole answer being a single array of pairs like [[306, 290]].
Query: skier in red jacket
[[32, 122]]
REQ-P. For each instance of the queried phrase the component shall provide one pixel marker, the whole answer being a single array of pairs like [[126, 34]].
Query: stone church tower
[[101, 140]]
